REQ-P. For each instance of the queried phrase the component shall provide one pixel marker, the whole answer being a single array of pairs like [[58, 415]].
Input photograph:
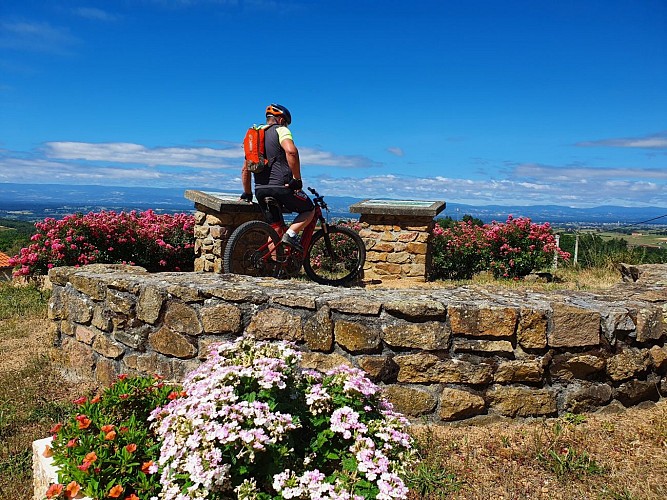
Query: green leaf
[[350, 464]]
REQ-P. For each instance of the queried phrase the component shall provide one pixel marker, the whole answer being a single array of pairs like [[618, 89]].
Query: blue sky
[[480, 102]]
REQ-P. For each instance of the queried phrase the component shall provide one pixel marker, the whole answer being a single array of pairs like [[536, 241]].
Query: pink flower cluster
[[156, 242], [252, 423], [519, 246], [510, 250]]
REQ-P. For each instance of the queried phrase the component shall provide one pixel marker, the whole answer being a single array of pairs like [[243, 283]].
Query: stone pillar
[[398, 236], [217, 216]]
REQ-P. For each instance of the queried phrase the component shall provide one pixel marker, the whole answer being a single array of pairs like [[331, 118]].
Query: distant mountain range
[[36, 201]]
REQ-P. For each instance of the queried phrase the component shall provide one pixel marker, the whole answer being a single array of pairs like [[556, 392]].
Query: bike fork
[[327, 240]]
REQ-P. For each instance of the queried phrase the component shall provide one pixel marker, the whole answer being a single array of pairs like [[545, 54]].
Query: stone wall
[[397, 247], [441, 354], [215, 220], [398, 240]]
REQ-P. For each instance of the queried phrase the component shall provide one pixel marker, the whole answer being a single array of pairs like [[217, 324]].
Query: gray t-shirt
[[278, 173]]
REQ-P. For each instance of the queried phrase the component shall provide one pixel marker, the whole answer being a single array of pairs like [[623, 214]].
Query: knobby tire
[[247, 251], [335, 258]]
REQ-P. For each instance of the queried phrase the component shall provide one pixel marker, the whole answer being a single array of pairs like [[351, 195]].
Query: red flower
[[145, 467], [122, 376], [106, 428], [72, 489], [110, 436], [96, 399], [84, 422], [131, 448], [56, 428], [72, 443], [54, 490], [90, 457], [84, 466], [116, 491], [132, 497], [123, 396], [80, 400]]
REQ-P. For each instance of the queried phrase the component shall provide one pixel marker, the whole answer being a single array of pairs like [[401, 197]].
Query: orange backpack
[[255, 152]]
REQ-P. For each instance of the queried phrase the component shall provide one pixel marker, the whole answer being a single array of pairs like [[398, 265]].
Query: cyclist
[[282, 178]]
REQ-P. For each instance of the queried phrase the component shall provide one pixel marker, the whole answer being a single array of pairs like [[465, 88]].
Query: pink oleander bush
[[460, 251], [510, 250], [519, 246], [153, 241]]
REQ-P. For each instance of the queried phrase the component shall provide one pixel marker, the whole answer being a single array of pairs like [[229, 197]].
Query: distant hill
[[36, 201]]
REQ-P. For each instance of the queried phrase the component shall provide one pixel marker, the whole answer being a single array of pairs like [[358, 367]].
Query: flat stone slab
[[399, 207], [217, 200]]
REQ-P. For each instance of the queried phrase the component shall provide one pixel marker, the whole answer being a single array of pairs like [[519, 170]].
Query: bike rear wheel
[[253, 250], [336, 257]]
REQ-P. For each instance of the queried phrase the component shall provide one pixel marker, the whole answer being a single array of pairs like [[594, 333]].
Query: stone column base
[[44, 473]]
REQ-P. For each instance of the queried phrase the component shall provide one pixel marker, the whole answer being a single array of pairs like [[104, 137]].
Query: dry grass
[[613, 456], [618, 456], [33, 395], [563, 279]]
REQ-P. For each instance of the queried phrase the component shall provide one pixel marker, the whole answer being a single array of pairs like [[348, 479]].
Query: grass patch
[[16, 467], [33, 395], [429, 479], [19, 301], [599, 457], [558, 454], [568, 461]]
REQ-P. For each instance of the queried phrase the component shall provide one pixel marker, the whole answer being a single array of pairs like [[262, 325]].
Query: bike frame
[[330, 254], [307, 235]]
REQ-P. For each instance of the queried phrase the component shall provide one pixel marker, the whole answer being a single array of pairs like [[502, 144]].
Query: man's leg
[[298, 201], [301, 221]]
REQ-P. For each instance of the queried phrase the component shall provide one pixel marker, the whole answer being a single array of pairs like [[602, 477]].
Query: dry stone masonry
[[216, 217], [441, 354], [398, 237], [397, 234]]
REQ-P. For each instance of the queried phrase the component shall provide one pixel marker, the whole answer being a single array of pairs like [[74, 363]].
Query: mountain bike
[[332, 255]]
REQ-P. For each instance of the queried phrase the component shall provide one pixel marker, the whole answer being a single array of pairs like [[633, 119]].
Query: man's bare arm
[[292, 157], [246, 180]]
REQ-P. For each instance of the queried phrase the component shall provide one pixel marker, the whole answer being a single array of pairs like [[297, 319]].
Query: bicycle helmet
[[278, 110]]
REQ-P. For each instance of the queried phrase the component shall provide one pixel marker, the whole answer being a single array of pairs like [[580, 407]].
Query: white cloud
[[396, 151], [653, 141], [28, 170], [499, 192], [123, 152], [582, 174], [129, 164], [196, 157], [94, 14], [316, 157], [36, 37]]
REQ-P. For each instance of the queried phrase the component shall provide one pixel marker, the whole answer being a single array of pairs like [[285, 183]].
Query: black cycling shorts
[[291, 201]]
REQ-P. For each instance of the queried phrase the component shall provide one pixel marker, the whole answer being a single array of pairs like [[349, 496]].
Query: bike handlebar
[[318, 200]]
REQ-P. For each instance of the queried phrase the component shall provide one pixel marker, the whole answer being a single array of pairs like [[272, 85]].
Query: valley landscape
[[36, 201]]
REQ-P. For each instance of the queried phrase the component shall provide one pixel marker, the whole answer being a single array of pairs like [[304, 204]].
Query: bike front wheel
[[253, 249], [335, 257]]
